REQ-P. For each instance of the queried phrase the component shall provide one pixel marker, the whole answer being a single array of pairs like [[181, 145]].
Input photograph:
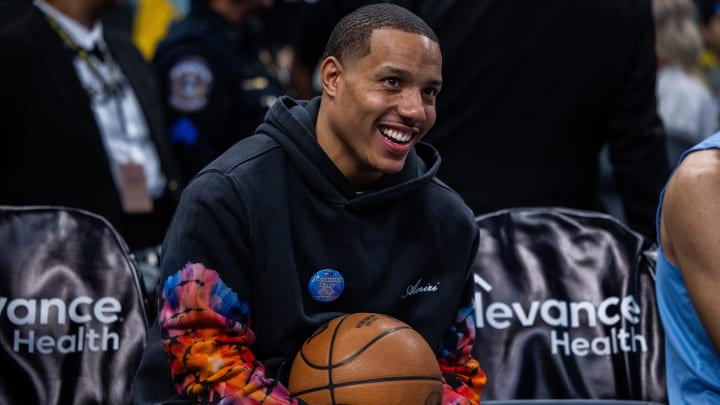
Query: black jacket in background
[[51, 151], [531, 92]]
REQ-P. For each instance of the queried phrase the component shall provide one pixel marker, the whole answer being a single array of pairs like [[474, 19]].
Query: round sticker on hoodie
[[326, 285], [190, 83]]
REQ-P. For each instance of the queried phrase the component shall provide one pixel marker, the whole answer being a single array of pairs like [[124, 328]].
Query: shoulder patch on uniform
[[190, 83]]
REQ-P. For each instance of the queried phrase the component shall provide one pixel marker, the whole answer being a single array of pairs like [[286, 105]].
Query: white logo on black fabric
[[80, 315], [420, 287], [565, 316]]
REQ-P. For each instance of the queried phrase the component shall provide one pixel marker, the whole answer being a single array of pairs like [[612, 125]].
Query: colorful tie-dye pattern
[[207, 339], [206, 335], [463, 376]]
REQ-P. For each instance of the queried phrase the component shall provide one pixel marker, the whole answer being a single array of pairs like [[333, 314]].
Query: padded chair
[[72, 318], [566, 310]]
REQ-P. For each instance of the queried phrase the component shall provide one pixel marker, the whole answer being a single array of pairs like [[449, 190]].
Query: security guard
[[215, 77]]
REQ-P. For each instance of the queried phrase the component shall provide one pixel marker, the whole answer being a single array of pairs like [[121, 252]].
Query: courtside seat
[[566, 309], [72, 318]]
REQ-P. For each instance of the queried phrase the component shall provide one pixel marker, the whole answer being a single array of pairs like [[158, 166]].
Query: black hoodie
[[274, 210]]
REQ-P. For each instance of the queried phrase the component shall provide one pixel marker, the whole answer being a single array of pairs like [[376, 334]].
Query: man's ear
[[330, 70]]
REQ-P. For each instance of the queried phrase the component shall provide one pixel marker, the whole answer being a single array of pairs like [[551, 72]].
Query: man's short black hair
[[351, 35]]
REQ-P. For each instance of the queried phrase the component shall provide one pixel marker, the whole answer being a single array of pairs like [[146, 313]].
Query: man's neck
[[77, 10]]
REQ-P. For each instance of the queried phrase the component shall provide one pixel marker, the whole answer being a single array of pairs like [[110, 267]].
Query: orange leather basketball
[[366, 358]]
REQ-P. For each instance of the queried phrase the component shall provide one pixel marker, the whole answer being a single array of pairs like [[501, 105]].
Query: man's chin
[[392, 167]]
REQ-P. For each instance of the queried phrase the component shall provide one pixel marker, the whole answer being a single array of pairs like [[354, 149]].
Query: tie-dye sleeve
[[463, 377], [206, 336]]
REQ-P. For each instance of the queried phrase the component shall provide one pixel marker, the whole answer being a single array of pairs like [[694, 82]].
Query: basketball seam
[[330, 355], [357, 353], [331, 386]]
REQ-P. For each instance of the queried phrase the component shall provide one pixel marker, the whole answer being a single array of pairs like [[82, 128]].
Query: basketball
[[364, 359]]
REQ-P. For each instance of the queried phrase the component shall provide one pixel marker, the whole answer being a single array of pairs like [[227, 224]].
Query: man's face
[[382, 105]]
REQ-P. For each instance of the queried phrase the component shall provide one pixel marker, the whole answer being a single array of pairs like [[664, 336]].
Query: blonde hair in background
[[677, 33]]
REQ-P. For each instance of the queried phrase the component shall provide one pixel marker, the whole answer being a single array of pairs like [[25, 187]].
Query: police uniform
[[216, 83]]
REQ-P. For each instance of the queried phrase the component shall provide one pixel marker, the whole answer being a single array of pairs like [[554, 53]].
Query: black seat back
[[566, 307], [72, 317]]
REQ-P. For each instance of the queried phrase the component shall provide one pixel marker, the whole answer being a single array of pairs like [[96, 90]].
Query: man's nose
[[411, 106]]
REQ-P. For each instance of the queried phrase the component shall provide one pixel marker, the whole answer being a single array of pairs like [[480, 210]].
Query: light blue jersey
[[693, 364]]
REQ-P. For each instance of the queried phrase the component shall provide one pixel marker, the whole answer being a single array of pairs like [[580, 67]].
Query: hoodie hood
[[292, 124]]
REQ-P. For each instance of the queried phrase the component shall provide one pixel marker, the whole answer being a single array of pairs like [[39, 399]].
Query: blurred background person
[[685, 104], [216, 78], [119, 18], [81, 123]]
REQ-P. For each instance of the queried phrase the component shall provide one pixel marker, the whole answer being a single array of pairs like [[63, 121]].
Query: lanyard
[[111, 87]]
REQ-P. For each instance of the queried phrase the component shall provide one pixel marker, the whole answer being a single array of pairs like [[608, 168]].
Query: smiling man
[[377, 106], [332, 207]]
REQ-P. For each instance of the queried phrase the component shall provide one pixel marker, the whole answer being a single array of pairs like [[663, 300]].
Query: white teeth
[[395, 135]]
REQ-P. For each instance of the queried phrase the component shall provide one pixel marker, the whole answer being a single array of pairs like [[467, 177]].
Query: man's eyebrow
[[402, 73], [392, 70]]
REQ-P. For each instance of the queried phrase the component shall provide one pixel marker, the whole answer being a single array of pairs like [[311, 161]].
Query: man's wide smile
[[396, 136]]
